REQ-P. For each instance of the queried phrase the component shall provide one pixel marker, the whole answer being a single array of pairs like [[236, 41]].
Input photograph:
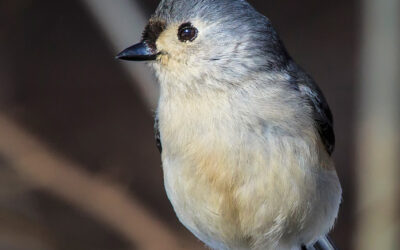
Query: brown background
[[59, 80]]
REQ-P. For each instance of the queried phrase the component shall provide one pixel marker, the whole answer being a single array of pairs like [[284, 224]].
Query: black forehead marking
[[152, 32]]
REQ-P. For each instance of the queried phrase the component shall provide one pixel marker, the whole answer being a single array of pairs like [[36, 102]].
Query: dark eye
[[187, 32]]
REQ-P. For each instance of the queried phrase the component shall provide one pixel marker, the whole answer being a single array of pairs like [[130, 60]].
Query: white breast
[[237, 186]]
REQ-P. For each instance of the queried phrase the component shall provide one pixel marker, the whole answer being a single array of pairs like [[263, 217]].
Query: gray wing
[[157, 134], [321, 111], [322, 114]]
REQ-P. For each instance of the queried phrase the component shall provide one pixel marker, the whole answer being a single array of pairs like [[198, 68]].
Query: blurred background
[[79, 169]]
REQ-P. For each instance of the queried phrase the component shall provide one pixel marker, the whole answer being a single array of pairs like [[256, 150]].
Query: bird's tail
[[325, 243]]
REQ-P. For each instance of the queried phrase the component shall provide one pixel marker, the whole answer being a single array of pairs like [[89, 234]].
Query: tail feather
[[325, 243]]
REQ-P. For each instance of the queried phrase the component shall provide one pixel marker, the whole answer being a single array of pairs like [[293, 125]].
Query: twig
[[105, 201]]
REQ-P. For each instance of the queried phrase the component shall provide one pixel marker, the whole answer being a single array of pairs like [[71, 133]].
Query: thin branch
[[105, 201]]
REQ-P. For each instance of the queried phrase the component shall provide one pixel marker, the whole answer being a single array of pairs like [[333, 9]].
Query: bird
[[245, 134]]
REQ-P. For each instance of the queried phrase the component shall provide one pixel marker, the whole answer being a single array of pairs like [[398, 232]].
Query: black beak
[[138, 52]]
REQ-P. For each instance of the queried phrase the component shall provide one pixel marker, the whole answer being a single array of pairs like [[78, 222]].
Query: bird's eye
[[187, 33]]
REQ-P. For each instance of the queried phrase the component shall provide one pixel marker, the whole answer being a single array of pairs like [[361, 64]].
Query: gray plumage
[[245, 134], [261, 41]]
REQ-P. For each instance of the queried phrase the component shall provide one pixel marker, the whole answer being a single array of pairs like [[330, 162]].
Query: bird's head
[[218, 40]]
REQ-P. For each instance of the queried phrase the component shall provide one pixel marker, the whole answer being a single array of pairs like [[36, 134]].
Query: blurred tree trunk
[[379, 121]]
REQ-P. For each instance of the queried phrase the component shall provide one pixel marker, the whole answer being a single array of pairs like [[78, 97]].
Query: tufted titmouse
[[246, 135]]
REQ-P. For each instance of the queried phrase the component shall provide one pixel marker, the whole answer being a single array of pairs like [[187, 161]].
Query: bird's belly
[[205, 207], [230, 206], [236, 188]]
